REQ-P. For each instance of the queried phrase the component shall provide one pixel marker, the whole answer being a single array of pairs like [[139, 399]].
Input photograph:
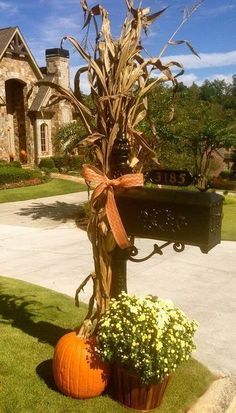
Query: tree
[[199, 126], [202, 127], [205, 141], [69, 137], [218, 91], [234, 85], [214, 91]]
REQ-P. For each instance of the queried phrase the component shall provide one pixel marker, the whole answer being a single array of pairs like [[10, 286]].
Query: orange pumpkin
[[78, 372]]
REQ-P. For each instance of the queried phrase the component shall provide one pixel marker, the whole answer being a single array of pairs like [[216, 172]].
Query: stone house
[[27, 125]]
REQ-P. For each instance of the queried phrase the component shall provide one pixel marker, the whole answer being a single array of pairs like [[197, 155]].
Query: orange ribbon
[[100, 183]]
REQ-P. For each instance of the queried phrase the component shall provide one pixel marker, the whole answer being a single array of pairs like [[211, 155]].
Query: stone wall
[[19, 69], [60, 68], [18, 130]]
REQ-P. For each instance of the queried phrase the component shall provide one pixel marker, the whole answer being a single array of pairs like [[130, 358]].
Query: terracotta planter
[[128, 390]]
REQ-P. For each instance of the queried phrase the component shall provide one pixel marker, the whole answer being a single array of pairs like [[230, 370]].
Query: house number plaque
[[170, 177]]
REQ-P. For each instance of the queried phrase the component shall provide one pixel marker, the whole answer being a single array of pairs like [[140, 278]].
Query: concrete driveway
[[40, 243]]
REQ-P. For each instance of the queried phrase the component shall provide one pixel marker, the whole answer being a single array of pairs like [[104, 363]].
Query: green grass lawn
[[229, 219], [51, 188], [32, 319]]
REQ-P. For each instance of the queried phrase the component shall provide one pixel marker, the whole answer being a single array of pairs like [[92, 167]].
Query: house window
[[44, 137]]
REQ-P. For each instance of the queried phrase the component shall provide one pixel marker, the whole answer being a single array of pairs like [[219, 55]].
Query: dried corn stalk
[[120, 80]]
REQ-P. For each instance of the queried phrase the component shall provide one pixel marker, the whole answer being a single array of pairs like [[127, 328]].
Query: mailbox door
[[186, 217]]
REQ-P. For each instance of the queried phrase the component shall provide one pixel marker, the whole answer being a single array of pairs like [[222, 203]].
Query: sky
[[211, 30]]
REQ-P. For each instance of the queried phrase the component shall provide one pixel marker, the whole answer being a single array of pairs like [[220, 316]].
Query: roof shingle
[[40, 96], [5, 37]]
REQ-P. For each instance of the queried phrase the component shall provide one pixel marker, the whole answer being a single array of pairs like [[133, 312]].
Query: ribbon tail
[[115, 222], [98, 191]]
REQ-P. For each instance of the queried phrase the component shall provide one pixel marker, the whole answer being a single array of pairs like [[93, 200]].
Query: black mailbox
[[184, 217]]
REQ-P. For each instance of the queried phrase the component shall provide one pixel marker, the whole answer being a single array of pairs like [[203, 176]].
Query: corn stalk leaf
[[142, 141], [83, 110], [77, 91], [152, 17], [120, 77], [186, 42], [84, 5], [91, 139]]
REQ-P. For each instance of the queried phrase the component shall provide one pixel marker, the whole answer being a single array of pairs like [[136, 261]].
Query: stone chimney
[[57, 61]]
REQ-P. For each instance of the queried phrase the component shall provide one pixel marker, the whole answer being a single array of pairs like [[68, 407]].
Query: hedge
[[226, 174], [47, 163], [3, 163], [15, 164], [228, 184], [68, 162], [10, 174], [59, 162], [75, 162]]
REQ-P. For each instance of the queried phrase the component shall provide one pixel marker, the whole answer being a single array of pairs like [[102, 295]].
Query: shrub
[[83, 215], [225, 184], [3, 162], [233, 171], [47, 163], [60, 162], [10, 174], [46, 171], [16, 164], [75, 162], [225, 174], [68, 162], [233, 156], [84, 211]]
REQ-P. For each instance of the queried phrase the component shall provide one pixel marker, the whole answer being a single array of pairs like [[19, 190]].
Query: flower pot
[[128, 390]]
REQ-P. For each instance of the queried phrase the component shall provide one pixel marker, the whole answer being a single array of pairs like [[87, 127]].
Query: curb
[[219, 398]]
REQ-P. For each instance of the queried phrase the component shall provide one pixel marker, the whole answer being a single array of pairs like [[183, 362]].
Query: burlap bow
[[100, 183]]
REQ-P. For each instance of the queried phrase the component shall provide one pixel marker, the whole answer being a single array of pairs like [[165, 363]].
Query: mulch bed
[[29, 182]]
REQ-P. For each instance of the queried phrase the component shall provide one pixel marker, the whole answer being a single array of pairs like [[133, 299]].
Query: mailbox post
[[119, 166], [177, 217]]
